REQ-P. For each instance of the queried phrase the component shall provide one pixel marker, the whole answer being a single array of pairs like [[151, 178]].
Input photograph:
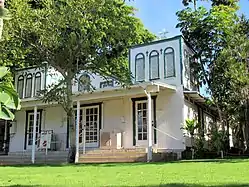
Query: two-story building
[[113, 116]]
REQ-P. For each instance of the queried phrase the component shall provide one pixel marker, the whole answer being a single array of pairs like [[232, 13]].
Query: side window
[[169, 62], [140, 68], [154, 65], [28, 86], [20, 86], [84, 83]]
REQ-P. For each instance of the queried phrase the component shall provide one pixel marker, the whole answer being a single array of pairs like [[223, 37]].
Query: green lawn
[[229, 173]]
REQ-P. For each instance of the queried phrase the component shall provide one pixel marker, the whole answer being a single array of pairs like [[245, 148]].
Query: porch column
[[77, 132], [149, 125], [34, 135]]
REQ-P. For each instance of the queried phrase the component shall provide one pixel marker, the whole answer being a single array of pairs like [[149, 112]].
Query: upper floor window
[[154, 65], [139, 67], [20, 86], [169, 62], [28, 86], [37, 83], [106, 84], [84, 83]]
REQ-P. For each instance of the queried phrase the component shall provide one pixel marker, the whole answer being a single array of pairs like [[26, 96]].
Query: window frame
[[138, 58], [20, 78], [28, 77], [106, 82], [158, 67], [80, 82], [37, 75], [165, 53]]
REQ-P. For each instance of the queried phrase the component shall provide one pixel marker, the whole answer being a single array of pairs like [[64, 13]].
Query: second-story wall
[[158, 60]]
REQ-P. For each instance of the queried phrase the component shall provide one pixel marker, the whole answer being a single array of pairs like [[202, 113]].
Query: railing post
[[34, 135], [77, 132]]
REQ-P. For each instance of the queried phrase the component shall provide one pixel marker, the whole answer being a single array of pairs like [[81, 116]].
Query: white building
[[113, 116]]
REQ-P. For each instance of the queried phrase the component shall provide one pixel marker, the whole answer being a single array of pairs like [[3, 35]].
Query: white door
[[90, 119], [30, 125], [141, 123]]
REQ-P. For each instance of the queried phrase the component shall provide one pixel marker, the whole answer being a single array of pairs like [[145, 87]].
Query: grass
[[221, 173]]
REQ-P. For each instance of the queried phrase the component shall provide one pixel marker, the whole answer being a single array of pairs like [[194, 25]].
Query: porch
[[110, 119]]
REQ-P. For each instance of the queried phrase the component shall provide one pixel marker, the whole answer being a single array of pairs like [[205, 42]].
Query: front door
[[141, 123], [29, 129], [90, 119]]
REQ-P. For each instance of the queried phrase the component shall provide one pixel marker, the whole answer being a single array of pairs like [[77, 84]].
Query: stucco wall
[[160, 46]]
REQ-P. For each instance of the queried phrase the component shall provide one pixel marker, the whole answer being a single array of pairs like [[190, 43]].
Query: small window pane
[[140, 68]]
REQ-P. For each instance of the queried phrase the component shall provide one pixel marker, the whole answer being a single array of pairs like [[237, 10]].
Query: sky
[[159, 15]]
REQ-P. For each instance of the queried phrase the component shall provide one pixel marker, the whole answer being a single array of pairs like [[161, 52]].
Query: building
[[116, 117]]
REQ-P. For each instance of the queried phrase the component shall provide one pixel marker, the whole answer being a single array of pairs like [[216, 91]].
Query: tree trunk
[[71, 122], [195, 5]]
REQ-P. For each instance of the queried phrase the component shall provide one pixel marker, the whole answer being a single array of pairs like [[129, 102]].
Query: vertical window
[[154, 65], [140, 68], [169, 62], [20, 85], [37, 83], [84, 83], [28, 87]]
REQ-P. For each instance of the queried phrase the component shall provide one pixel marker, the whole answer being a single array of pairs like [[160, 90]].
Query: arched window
[[139, 67], [154, 65], [28, 86], [84, 83], [20, 85], [37, 83], [169, 62]]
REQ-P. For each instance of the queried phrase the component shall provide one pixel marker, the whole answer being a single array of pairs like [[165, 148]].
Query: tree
[[8, 97], [75, 36], [206, 31]]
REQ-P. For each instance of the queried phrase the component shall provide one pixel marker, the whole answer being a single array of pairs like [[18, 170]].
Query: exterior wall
[[116, 117], [170, 119], [53, 118], [159, 46]]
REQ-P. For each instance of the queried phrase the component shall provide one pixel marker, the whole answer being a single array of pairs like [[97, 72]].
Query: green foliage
[[72, 36], [9, 100], [190, 126]]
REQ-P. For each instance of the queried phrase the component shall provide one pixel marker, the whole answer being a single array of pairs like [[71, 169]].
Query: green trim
[[181, 65], [136, 58], [156, 42]]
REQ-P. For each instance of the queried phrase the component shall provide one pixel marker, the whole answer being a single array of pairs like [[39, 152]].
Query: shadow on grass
[[218, 161], [161, 185]]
